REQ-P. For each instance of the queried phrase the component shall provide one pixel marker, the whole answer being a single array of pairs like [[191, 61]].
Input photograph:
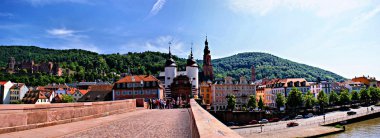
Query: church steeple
[[190, 60], [170, 61], [207, 66]]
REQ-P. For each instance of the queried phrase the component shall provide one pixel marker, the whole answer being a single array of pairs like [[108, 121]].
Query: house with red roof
[[4, 91], [38, 97], [137, 86]]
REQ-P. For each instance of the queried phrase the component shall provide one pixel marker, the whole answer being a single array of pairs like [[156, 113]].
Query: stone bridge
[[108, 119]]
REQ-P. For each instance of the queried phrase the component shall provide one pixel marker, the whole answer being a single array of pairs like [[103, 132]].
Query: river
[[364, 129]]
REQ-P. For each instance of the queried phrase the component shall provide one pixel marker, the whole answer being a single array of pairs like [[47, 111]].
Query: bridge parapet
[[204, 125], [24, 116]]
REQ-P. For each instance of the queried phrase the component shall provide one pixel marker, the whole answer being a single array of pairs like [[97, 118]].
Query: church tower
[[192, 72], [170, 73], [207, 67]]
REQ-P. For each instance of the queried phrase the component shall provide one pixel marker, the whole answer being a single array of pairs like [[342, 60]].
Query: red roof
[[3, 82], [83, 92], [137, 78]]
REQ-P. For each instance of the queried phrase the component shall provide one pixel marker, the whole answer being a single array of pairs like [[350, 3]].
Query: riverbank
[[313, 131], [310, 127], [368, 129]]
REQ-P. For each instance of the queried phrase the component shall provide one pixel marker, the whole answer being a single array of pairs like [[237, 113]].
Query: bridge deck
[[142, 123]]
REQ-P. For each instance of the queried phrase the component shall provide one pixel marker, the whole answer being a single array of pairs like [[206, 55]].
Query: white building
[[171, 73], [17, 92], [324, 86], [5, 93]]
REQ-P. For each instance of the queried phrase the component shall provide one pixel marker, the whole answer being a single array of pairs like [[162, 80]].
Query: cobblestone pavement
[[168, 123]]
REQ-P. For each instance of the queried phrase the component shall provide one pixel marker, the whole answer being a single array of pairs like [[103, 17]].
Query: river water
[[363, 129]]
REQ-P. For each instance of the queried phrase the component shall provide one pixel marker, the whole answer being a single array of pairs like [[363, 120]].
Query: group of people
[[161, 103]]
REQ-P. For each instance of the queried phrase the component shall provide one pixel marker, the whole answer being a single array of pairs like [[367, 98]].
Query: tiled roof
[[17, 85], [86, 83], [83, 92], [137, 78], [71, 91], [101, 88], [31, 97], [56, 86], [3, 82]]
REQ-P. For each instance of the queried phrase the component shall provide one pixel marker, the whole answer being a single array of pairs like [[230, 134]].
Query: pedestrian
[[163, 101], [158, 103], [149, 102], [154, 103]]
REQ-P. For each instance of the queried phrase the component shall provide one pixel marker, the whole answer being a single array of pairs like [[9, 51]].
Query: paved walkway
[[143, 123]]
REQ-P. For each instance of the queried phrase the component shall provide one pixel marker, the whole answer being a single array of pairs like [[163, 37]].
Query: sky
[[342, 36]]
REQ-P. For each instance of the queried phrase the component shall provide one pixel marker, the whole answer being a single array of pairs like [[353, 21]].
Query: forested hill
[[85, 65], [269, 66], [90, 66]]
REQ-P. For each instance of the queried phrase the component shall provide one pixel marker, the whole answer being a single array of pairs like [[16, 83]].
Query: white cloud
[[157, 7], [322, 8], [60, 32], [360, 20], [47, 2]]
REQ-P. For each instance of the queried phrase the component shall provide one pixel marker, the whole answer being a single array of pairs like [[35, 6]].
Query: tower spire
[[191, 50], [170, 53]]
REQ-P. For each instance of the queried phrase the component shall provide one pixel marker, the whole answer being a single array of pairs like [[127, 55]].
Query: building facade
[[137, 86], [17, 92], [4, 91], [171, 73], [367, 81], [241, 90], [207, 92]]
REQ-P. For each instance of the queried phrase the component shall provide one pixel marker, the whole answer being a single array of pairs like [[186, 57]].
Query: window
[[168, 78], [124, 92], [117, 93]]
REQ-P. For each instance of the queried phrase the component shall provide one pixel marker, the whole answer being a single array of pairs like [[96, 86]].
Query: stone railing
[[204, 125], [28, 116]]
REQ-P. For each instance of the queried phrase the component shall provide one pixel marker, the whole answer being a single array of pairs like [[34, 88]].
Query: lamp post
[[133, 88], [142, 85]]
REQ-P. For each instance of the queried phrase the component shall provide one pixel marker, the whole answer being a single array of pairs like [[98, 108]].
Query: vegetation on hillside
[[269, 66], [91, 66]]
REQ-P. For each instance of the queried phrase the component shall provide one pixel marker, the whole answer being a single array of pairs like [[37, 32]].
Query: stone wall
[[27, 116], [204, 125]]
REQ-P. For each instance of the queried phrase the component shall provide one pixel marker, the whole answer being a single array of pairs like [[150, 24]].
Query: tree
[[333, 98], [355, 97], [261, 103], [322, 100], [231, 102], [280, 100], [67, 98], [344, 97], [375, 94], [365, 96], [294, 99], [252, 102], [309, 100]]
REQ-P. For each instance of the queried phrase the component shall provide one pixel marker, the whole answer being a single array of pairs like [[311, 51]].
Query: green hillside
[[91, 66], [269, 66]]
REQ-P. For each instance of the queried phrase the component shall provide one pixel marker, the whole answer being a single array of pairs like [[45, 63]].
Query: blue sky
[[342, 36]]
